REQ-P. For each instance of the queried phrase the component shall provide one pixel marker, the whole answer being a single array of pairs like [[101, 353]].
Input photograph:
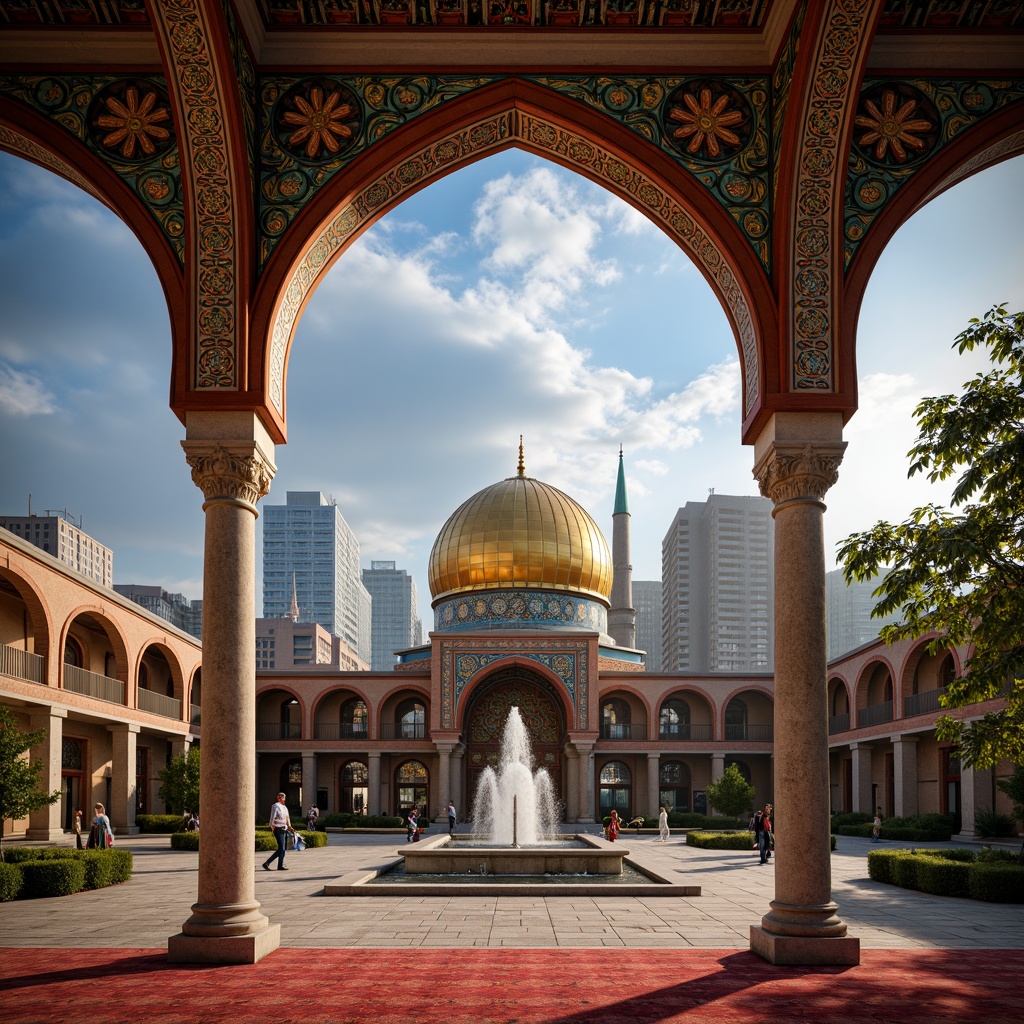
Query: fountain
[[514, 849]]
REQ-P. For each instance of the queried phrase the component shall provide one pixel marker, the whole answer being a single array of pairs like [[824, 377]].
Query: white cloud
[[24, 394]]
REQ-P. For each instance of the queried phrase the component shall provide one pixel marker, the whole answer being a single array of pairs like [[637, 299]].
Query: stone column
[[904, 767], [861, 768], [653, 784], [587, 808], [373, 782], [122, 782], [572, 783], [308, 781], [180, 745], [797, 460], [44, 824], [455, 774], [975, 795], [444, 782], [231, 456]]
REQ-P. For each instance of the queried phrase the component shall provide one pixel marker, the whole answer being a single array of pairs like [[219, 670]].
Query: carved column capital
[[235, 472], [798, 471]]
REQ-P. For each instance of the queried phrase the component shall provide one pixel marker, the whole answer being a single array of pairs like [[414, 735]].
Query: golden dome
[[521, 533]]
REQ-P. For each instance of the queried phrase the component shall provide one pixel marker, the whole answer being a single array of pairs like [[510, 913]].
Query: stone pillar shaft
[[443, 783], [905, 776], [798, 457], [373, 782], [44, 824], [230, 456], [653, 785], [309, 780], [861, 768], [122, 782], [975, 795]]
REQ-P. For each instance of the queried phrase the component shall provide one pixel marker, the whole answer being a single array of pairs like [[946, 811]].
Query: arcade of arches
[[780, 144]]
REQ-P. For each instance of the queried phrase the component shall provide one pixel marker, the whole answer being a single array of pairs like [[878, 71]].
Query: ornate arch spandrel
[[215, 167], [492, 134], [816, 259]]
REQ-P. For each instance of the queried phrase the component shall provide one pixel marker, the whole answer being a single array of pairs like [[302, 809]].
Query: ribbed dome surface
[[520, 533]]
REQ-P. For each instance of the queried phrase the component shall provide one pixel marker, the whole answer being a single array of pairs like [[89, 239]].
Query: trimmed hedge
[[264, 841], [343, 819], [160, 822], [59, 877], [997, 883], [720, 840], [11, 881], [956, 872]]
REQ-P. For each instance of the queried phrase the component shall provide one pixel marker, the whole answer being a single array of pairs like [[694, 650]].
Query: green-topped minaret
[[621, 615]]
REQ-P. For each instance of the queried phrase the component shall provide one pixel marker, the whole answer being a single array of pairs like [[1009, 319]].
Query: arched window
[[615, 720], [736, 720], [947, 672], [675, 719], [411, 787], [353, 719], [354, 787], [291, 719], [674, 788], [616, 789], [410, 719], [840, 705], [143, 676]]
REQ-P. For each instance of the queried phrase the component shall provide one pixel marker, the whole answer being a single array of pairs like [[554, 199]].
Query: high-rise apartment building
[[717, 565], [309, 550], [58, 534], [848, 613], [647, 603], [282, 645], [175, 608], [396, 625]]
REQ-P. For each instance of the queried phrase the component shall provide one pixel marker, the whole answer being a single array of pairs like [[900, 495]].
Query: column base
[[804, 950], [223, 949]]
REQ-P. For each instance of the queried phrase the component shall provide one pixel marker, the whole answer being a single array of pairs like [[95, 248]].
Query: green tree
[[179, 782], [731, 794], [959, 574], [19, 777]]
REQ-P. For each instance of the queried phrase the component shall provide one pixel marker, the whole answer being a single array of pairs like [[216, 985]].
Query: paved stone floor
[[736, 890]]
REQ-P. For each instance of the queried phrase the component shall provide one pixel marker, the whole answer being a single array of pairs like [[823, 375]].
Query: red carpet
[[510, 986]]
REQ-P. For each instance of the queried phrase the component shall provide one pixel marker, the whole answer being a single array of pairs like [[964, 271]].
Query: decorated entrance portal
[[542, 715]]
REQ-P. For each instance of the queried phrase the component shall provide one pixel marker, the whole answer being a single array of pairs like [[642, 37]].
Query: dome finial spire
[[522, 464]]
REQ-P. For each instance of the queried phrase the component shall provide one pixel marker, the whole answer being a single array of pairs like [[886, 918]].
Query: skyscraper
[[175, 608], [647, 602], [58, 534], [308, 545], [396, 626], [848, 613], [717, 566]]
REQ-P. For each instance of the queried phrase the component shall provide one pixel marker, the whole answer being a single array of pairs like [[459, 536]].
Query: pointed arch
[[507, 114]]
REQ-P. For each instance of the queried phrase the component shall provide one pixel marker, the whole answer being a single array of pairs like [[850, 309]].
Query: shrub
[[55, 877], [997, 883], [881, 864], [989, 824], [942, 876], [343, 819], [904, 871], [263, 840], [11, 881], [190, 841], [21, 854], [719, 840], [160, 822], [846, 818], [858, 831], [958, 853], [987, 855], [106, 867]]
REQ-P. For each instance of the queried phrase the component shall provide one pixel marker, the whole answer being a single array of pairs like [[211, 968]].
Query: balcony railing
[[194, 715], [922, 703], [158, 704], [875, 714], [92, 684], [22, 664], [750, 733], [403, 731], [624, 731], [696, 733], [278, 731], [838, 723], [339, 731]]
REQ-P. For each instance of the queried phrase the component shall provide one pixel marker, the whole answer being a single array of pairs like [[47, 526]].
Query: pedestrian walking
[[662, 825], [280, 825], [451, 818]]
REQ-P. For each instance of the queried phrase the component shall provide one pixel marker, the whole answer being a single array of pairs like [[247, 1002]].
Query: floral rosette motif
[[130, 120], [707, 120], [316, 120], [896, 125]]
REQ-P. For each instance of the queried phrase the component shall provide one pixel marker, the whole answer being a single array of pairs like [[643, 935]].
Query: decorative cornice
[[798, 471], [235, 473]]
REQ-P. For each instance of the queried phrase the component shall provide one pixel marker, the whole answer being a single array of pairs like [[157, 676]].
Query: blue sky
[[510, 298]]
